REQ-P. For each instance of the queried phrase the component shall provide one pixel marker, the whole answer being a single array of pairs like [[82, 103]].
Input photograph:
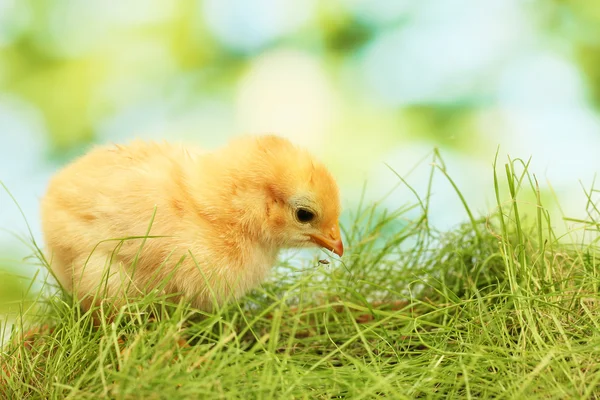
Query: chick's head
[[302, 198]]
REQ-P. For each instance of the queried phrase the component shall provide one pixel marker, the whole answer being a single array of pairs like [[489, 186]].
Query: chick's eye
[[303, 215]]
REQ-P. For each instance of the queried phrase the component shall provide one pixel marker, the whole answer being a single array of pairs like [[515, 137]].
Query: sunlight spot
[[288, 93], [247, 25]]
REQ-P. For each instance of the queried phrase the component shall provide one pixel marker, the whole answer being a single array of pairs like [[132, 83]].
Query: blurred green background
[[359, 82]]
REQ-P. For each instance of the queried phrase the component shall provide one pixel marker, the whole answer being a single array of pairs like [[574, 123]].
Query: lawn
[[498, 307]]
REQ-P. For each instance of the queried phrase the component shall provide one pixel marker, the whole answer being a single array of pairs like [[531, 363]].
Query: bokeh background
[[359, 82]]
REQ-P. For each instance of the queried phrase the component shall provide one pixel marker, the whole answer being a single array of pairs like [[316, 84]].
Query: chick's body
[[123, 220]]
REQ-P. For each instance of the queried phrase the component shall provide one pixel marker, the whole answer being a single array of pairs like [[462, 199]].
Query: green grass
[[498, 307]]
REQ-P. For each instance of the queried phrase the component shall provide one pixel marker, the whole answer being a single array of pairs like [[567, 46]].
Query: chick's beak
[[331, 240]]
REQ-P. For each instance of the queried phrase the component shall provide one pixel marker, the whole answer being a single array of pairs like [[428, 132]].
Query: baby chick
[[206, 226]]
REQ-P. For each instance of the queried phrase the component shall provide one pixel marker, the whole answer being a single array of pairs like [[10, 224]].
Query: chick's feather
[[123, 220]]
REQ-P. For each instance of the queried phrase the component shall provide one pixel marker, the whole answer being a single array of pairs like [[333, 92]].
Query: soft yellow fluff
[[220, 218]]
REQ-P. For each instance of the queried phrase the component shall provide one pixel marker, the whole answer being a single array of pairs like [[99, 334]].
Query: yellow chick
[[208, 226]]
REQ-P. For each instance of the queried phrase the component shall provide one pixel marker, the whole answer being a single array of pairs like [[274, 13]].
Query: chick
[[203, 226]]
